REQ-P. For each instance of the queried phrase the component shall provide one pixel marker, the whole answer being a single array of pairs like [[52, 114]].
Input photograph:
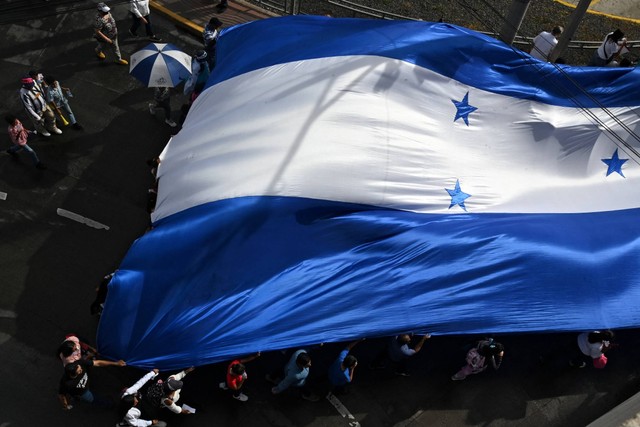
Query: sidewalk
[[193, 15], [620, 9]]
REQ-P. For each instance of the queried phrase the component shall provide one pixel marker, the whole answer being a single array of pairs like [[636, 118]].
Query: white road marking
[[7, 314], [342, 410], [81, 219], [409, 421]]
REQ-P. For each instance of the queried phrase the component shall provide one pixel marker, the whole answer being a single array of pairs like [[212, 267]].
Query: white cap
[[103, 7]]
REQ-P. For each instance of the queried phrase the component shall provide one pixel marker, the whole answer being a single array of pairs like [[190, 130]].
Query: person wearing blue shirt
[[295, 375], [398, 351], [342, 369]]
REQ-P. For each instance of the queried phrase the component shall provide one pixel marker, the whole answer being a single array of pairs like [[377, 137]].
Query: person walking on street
[[75, 383], [592, 346], [162, 99], [106, 33], [222, 6], [398, 350], [172, 388], [236, 376], [199, 75], [210, 39], [544, 43], [72, 349], [55, 96], [129, 403], [140, 14], [36, 107], [18, 135], [342, 369], [296, 373], [486, 352]]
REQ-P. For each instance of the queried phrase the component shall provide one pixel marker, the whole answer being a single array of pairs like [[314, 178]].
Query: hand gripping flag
[[344, 178]]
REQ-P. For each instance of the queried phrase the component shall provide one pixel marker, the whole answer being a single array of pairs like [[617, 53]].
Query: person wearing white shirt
[[610, 47], [130, 398], [544, 43], [140, 14]]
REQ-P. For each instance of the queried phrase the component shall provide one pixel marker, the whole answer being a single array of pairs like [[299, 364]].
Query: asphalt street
[[50, 266]]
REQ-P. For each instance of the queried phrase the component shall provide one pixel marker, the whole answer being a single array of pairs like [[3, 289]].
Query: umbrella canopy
[[160, 65]]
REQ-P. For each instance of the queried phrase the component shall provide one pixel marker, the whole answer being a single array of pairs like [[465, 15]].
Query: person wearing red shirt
[[236, 376], [18, 135]]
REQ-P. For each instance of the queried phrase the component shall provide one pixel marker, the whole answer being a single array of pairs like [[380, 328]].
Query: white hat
[[103, 7]]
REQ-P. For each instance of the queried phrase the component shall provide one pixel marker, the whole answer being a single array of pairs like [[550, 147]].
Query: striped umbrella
[[160, 65]]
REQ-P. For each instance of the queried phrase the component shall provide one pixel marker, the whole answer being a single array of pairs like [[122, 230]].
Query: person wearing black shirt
[[75, 383]]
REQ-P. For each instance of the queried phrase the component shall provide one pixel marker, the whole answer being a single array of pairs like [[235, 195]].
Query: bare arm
[[64, 400], [496, 361], [101, 363], [418, 346], [353, 344], [100, 35], [250, 358]]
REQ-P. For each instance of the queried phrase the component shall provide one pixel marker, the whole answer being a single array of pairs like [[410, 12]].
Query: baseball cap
[[103, 7]]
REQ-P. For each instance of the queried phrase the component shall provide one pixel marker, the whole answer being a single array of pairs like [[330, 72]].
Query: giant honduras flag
[[344, 178]]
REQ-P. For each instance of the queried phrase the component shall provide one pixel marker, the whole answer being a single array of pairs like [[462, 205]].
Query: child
[[56, 98], [19, 135]]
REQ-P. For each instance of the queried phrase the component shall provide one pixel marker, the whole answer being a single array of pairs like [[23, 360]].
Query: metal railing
[[354, 10], [370, 12]]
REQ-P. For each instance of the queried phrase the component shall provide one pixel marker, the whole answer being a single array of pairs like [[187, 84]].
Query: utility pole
[[572, 27], [517, 11]]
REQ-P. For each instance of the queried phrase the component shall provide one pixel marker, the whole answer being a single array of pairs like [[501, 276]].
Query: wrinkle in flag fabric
[[344, 178]]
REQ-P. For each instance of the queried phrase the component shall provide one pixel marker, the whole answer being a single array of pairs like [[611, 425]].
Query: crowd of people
[[144, 403], [46, 102]]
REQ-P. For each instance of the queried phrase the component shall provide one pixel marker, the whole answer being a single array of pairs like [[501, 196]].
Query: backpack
[[475, 360], [155, 393]]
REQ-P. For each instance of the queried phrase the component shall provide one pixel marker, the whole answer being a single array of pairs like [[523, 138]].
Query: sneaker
[[77, 126], [223, 386], [241, 397], [40, 166], [152, 109], [132, 34], [310, 397], [457, 378], [100, 54], [579, 366], [155, 39], [171, 123], [45, 133], [56, 131], [122, 62], [402, 374]]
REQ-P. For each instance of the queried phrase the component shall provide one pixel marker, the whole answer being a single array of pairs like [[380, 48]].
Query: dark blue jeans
[[135, 24], [26, 148], [92, 399]]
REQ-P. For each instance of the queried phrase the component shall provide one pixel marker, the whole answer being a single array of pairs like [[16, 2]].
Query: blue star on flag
[[463, 109], [458, 196], [614, 164]]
